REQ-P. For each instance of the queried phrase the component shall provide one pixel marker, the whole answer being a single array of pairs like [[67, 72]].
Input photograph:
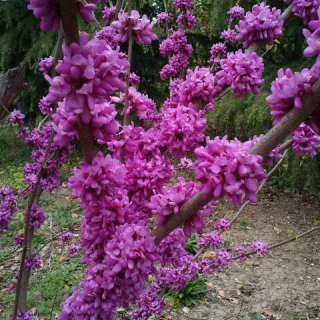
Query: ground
[[285, 285]]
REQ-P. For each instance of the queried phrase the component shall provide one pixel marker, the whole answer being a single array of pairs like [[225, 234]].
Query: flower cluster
[[306, 9], [95, 70], [171, 249], [119, 279], [48, 12], [45, 65], [8, 207], [140, 103], [222, 224], [163, 17], [73, 250], [217, 52], [186, 163], [261, 24], [134, 78], [228, 35], [65, 237], [16, 117], [241, 71], [24, 316], [199, 84], [181, 129], [108, 13], [37, 217], [227, 167], [305, 141], [212, 240], [18, 239], [259, 247], [177, 278], [235, 12], [177, 43], [242, 253], [186, 19], [32, 263], [313, 39], [141, 27], [149, 303], [288, 90], [182, 4], [108, 34], [169, 201]]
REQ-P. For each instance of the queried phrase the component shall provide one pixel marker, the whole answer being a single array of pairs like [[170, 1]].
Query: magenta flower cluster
[[182, 4], [242, 253], [181, 129], [108, 13], [227, 167], [141, 27], [259, 247], [306, 9], [261, 24], [32, 263], [235, 12], [16, 117], [65, 237], [73, 250], [199, 84], [243, 72], [37, 217], [148, 304], [45, 65], [18, 239], [212, 240], [217, 52], [134, 78], [187, 20], [305, 141], [163, 18], [228, 35], [8, 207], [222, 224], [108, 34], [24, 315], [139, 103], [48, 12], [287, 91]]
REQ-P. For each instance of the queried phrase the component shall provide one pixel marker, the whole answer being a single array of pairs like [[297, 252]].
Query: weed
[[191, 245]]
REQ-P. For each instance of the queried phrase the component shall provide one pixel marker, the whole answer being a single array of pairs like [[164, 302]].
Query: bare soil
[[284, 285]]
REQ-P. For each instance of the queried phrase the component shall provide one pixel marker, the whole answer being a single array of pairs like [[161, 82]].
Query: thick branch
[[68, 12], [275, 136]]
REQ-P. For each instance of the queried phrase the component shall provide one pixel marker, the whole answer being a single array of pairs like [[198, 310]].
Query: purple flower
[[222, 224], [142, 28], [45, 65], [134, 78], [306, 9], [73, 250], [149, 303], [8, 207], [313, 39], [212, 240], [261, 24], [24, 316], [241, 251], [241, 71], [163, 17], [182, 4], [140, 103], [287, 91], [217, 52], [186, 163], [228, 35], [227, 167], [259, 247], [65, 237], [305, 141], [108, 34], [18, 239], [16, 117], [181, 129], [235, 12], [108, 13], [32, 263], [186, 19], [37, 217]]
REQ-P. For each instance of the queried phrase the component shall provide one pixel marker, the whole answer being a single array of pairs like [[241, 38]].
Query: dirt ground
[[285, 285]]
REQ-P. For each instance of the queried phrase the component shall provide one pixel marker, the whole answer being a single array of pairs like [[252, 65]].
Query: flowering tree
[[124, 187]]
